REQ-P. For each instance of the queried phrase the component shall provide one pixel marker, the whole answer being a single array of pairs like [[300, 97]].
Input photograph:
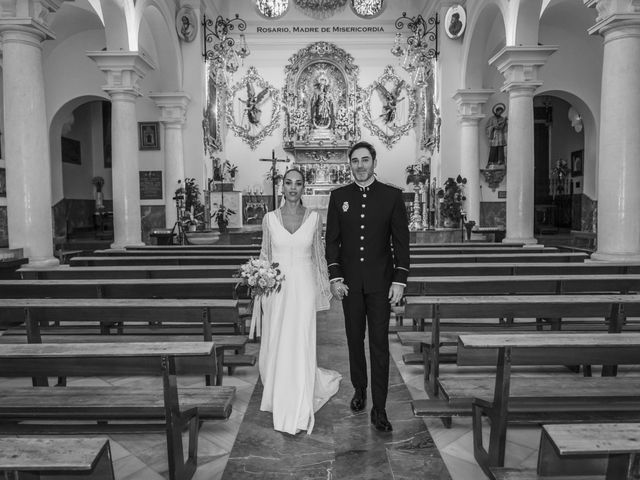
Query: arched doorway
[[81, 173], [559, 143]]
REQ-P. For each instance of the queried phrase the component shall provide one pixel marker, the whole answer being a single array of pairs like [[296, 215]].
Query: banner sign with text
[[325, 29]]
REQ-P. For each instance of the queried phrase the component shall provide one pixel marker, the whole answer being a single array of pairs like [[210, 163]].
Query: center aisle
[[343, 445]]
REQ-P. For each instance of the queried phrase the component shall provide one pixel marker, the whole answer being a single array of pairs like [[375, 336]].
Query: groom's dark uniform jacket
[[361, 225]]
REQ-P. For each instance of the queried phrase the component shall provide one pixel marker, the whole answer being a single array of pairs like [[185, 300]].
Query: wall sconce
[[421, 48], [219, 47]]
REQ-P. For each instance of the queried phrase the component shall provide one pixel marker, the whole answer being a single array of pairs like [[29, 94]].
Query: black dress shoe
[[380, 421], [359, 400]]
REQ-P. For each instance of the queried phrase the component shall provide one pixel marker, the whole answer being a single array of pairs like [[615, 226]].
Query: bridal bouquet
[[261, 277]]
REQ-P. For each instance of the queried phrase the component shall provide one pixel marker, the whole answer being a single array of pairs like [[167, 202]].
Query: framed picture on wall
[[577, 161], [3, 182], [70, 150], [148, 136]]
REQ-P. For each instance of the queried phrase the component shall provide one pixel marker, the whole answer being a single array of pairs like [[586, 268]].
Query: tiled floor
[[142, 457]]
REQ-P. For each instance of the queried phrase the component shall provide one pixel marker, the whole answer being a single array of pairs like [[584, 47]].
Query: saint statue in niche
[[322, 112], [496, 129]]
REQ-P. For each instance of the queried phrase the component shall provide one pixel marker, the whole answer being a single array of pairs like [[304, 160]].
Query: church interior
[[142, 142]]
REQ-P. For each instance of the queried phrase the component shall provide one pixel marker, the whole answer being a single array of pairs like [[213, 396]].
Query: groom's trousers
[[372, 311]]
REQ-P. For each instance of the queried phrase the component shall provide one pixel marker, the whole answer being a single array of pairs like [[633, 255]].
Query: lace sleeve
[[323, 292], [265, 250]]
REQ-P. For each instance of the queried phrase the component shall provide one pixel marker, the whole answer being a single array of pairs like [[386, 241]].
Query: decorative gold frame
[[387, 93], [213, 113], [236, 114]]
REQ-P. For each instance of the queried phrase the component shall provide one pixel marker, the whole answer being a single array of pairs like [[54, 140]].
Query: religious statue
[[253, 102], [322, 113], [391, 100], [496, 129]]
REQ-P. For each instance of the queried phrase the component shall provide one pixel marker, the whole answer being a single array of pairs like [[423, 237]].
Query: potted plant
[[418, 173], [193, 211], [221, 216], [451, 200], [229, 171]]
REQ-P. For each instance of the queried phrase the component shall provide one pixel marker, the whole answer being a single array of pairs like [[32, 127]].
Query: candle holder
[[416, 217]]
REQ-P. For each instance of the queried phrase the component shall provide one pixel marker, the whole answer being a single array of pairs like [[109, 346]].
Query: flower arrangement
[[342, 122], [299, 121], [452, 196], [261, 277]]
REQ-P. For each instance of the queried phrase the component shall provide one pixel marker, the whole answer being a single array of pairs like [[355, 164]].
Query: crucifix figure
[[273, 170]]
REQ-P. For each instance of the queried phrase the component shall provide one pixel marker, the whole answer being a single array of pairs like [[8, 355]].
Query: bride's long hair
[[284, 177]]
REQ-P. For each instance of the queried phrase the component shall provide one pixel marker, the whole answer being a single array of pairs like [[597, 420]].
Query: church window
[[367, 8]]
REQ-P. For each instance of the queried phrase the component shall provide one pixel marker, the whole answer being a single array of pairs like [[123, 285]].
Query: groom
[[365, 219]]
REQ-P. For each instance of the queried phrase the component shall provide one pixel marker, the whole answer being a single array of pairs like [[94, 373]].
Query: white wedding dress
[[294, 386]]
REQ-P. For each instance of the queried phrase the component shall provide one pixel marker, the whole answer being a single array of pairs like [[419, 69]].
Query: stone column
[[619, 143], [124, 70], [470, 104], [173, 107], [23, 28], [521, 69]]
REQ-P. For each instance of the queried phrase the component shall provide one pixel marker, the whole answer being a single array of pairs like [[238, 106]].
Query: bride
[[294, 386]]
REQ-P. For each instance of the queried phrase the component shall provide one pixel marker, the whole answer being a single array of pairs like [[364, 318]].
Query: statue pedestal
[[232, 200]]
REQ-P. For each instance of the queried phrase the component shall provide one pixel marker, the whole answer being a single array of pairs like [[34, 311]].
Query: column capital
[[28, 16], [124, 70], [613, 14], [172, 105], [470, 102], [521, 65]]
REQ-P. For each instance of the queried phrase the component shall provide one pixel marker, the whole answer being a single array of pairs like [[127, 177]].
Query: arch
[[156, 35], [487, 36], [525, 26], [591, 129], [121, 27], [55, 132]]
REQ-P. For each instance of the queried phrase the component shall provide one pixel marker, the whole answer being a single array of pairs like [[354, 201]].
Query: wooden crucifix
[[273, 169]]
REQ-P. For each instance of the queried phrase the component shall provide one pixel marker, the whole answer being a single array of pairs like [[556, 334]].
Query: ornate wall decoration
[[321, 99], [320, 9], [253, 108], [213, 113], [429, 113], [389, 107]]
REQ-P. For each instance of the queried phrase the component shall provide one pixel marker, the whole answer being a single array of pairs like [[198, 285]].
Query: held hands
[[339, 289], [395, 293]]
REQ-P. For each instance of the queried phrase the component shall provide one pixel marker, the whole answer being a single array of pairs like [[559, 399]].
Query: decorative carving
[[248, 104], [321, 104], [389, 107], [494, 174]]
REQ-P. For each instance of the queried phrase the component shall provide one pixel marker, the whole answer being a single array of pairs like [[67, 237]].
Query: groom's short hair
[[363, 144]]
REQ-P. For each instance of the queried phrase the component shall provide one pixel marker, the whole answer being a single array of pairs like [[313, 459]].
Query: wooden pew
[[98, 287], [109, 313], [49, 410], [128, 271], [190, 253], [503, 285], [258, 246], [238, 260], [583, 449], [613, 307], [544, 398], [28, 458], [417, 269], [415, 250]]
